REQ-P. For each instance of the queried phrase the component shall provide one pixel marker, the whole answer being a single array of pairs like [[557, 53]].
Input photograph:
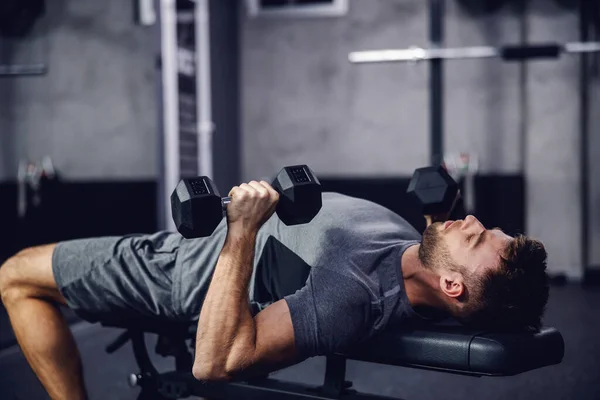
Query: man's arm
[[229, 341]]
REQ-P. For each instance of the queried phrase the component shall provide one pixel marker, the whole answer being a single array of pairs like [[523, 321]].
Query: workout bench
[[445, 347]]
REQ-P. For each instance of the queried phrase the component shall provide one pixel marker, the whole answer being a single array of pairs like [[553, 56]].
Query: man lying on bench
[[267, 295]]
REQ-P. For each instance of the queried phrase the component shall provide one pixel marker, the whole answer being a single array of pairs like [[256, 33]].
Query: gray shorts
[[118, 278]]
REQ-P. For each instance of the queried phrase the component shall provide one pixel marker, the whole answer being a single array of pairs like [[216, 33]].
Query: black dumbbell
[[434, 189], [197, 207]]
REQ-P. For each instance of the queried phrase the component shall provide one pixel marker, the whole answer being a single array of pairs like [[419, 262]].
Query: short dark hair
[[512, 297]]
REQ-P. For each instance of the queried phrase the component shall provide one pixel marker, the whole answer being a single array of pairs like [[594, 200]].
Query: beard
[[433, 253]]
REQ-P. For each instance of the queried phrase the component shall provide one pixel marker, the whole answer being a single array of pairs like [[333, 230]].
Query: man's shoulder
[[351, 213]]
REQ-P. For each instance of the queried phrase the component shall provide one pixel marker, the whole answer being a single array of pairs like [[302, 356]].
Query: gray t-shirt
[[340, 274]]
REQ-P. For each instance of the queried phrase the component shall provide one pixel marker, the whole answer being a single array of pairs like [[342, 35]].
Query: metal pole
[[203, 74], [436, 82], [170, 129], [584, 77], [524, 107], [23, 69], [161, 199]]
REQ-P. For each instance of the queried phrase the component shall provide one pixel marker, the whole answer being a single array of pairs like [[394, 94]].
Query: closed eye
[[480, 237]]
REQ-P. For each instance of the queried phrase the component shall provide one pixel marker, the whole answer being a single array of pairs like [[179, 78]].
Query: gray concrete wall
[[552, 162], [483, 111], [95, 111], [304, 103]]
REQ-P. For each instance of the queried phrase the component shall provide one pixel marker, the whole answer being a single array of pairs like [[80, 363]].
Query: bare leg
[[31, 298]]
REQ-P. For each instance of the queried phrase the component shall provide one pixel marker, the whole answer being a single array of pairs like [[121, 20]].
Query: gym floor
[[574, 310]]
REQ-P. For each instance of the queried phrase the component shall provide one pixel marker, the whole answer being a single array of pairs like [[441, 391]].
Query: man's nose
[[471, 222]]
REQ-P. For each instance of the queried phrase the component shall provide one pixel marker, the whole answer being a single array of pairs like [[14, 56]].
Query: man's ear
[[452, 285]]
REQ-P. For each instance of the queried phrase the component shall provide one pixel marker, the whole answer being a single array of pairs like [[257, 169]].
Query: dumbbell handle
[[225, 201]]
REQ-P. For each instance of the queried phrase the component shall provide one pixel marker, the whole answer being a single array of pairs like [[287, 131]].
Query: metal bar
[[584, 77], [170, 105], [205, 123], [140, 353], [23, 70], [415, 54], [119, 342], [161, 187], [436, 82], [523, 8], [266, 389], [582, 47], [335, 376]]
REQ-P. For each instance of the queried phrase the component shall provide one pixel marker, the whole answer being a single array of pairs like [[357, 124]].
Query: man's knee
[[28, 274], [9, 279]]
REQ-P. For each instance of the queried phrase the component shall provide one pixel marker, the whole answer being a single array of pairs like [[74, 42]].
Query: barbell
[[507, 52]]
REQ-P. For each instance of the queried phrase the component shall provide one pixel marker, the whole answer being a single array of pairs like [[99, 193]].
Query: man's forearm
[[226, 329]]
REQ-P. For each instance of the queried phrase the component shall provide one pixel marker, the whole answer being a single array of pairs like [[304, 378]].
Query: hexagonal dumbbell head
[[299, 195], [434, 189], [196, 207]]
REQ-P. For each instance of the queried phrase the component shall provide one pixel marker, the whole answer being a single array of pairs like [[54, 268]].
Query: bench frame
[[177, 341]]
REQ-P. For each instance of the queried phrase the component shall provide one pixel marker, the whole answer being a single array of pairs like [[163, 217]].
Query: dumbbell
[[434, 189], [198, 208]]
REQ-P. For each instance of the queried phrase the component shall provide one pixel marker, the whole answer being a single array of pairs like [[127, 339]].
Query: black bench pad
[[450, 348], [462, 350]]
